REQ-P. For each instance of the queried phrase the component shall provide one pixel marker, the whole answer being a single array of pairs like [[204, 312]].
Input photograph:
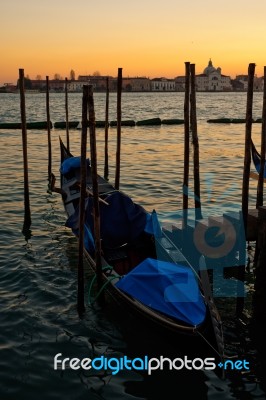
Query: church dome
[[209, 69]]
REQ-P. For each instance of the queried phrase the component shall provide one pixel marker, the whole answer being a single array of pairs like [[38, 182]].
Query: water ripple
[[38, 270]]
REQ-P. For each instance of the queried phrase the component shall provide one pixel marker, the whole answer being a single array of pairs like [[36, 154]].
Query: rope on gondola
[[109, 280]]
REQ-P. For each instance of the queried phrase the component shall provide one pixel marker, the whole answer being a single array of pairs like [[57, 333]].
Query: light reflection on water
[[38, 276]]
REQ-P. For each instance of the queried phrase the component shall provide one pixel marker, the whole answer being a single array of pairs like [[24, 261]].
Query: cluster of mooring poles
[[88, 107], [254, 220], [87, 110]]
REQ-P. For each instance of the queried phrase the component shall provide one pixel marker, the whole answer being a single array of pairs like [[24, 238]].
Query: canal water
[[38, 270]]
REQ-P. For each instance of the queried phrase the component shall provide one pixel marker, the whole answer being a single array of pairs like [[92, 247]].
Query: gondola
[[142, 269], [256, 157]]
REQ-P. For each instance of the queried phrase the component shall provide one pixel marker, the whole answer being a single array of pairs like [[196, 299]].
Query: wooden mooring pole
[[246, 176], [27, 213], [262, 148], [66, 108], [95, 190], [106, 166], [260, 185], [118, 143], [247, 156], [186, 144], [48, 130], [195, 142], [259, 297], [83, 178]]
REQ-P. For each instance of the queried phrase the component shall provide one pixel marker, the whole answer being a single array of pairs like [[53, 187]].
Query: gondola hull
[[146, 250]]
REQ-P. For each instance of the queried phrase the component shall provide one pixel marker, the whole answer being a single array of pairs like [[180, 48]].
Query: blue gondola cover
[[153, 226], [71, 163], [121, 220], [166, 287]]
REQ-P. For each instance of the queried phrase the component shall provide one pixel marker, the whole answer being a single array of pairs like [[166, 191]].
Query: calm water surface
[[38, 317]]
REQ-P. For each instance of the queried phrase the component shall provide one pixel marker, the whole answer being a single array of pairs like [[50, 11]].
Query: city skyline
[[147, 39], [58, 76]]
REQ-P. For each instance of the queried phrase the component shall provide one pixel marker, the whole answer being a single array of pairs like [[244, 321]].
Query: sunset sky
[[144, 37]]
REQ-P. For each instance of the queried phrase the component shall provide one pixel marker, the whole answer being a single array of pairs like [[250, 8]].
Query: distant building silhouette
[[211, 80], [163, 85]]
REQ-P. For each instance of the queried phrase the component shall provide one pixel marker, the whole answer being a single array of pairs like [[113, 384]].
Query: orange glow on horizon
[[144, 39]]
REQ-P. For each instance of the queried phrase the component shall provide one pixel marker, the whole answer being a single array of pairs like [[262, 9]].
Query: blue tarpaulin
[[121, 221], [71, 163], [166, 287], [153, 226]]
